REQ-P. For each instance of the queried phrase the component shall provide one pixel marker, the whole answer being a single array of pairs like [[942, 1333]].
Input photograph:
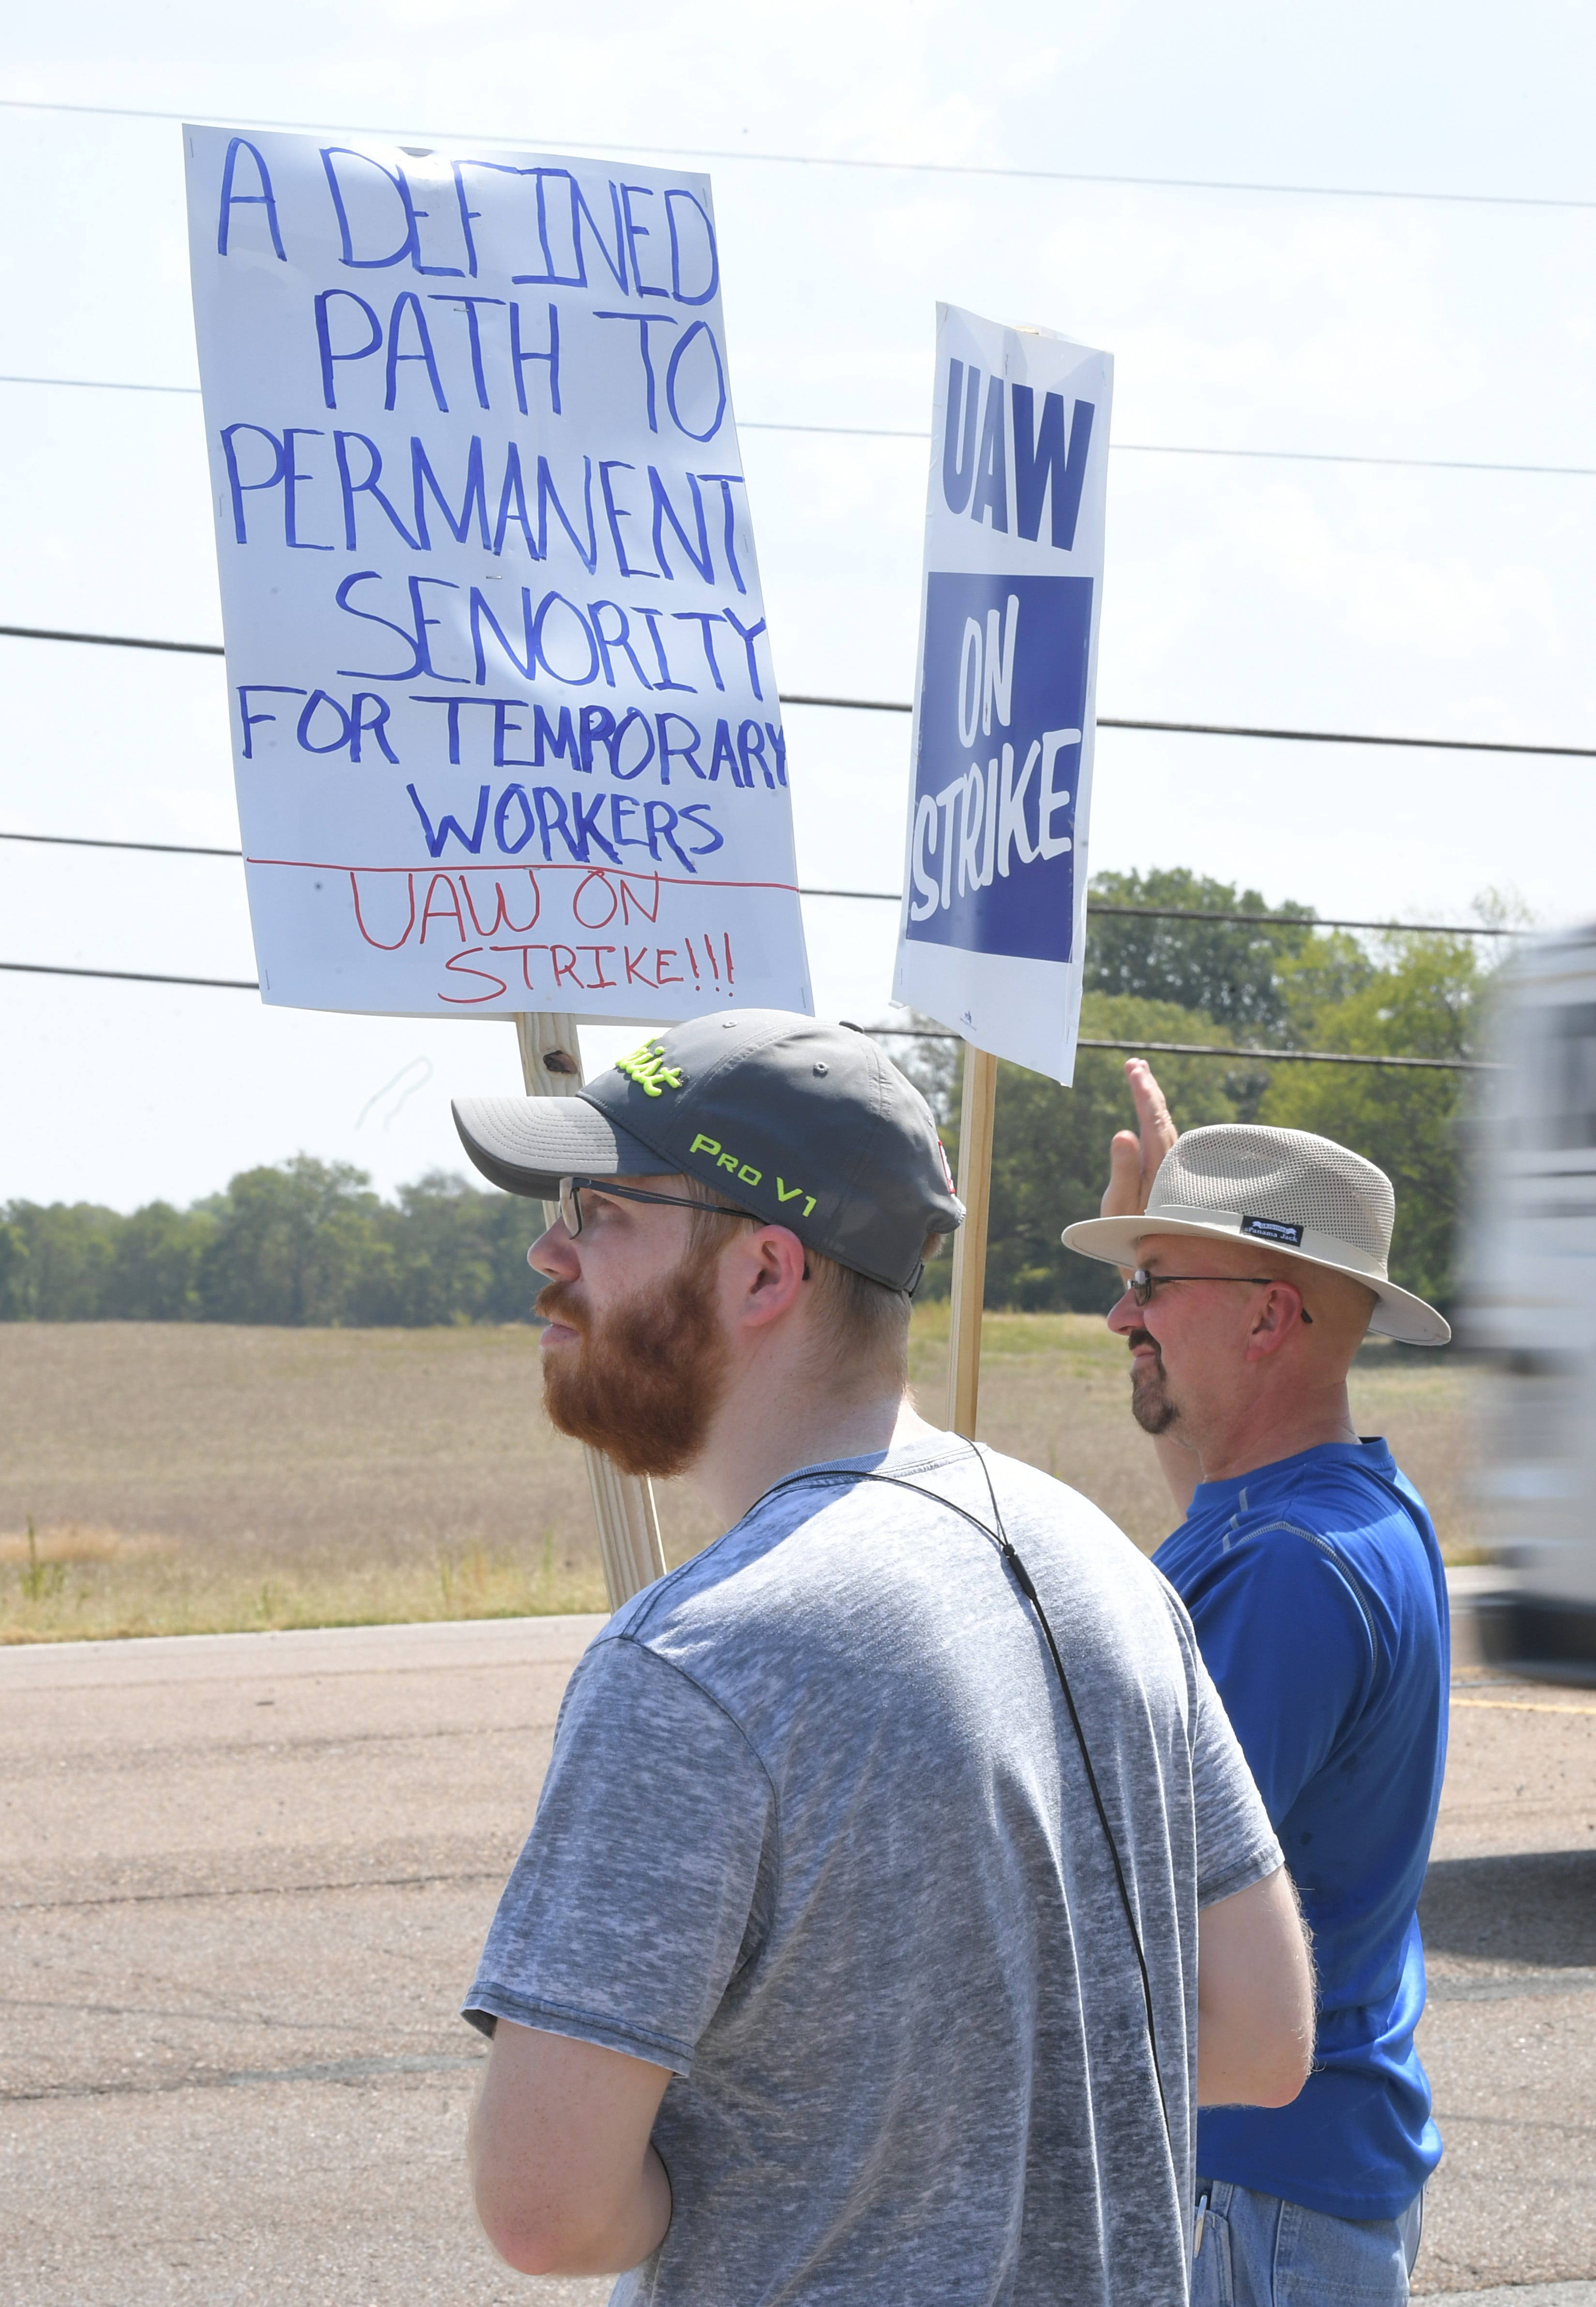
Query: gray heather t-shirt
[[816, 1836]]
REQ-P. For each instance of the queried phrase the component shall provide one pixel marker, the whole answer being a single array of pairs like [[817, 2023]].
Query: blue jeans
[[1255, 2250]]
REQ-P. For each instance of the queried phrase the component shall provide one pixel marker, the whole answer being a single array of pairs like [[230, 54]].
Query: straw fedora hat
[[1236, 1181]]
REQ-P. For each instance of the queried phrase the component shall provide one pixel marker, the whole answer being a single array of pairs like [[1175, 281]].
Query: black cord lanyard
[[1000, 1538]]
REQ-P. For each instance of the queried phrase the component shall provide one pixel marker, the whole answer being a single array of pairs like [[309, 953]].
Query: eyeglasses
[[570, 1201], [1142, 1284]]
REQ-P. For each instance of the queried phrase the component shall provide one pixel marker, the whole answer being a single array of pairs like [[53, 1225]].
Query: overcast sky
[[1318, 595]]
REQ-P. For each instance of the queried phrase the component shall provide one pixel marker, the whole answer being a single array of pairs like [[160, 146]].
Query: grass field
[[175, 1478]]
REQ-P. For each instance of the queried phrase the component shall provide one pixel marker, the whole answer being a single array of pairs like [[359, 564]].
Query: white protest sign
[[993, 920], [505, 725]]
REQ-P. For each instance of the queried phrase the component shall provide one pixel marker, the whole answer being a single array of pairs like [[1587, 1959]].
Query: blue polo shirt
[[1317, 1592]]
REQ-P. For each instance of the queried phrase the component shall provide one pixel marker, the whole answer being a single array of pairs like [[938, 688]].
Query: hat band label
[[1274, 1229]]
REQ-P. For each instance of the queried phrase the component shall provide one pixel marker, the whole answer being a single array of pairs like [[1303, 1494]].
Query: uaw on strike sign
[[505, 725], [994, 919]]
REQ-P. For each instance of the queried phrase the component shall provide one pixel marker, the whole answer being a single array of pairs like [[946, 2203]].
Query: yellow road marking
[[1524, 1706]]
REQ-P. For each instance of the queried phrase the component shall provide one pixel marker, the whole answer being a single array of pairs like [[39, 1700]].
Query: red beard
[[645, 1381]]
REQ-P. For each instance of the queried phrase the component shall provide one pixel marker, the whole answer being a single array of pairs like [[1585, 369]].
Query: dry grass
[[295, 1476], [174, 1479], [75, 1541]]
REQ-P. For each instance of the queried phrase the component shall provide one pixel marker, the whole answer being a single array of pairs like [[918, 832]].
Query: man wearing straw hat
[[1255, 1263]]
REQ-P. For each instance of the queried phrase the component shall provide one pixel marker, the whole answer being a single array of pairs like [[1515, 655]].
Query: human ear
[[771, 1269], [1281, 1314]]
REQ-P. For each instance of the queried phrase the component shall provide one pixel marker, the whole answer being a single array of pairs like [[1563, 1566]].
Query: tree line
[[301, 1244], [307, 1243]]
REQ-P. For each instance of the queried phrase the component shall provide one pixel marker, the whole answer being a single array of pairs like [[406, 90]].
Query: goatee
[[645, 1380], [1150, 1405]]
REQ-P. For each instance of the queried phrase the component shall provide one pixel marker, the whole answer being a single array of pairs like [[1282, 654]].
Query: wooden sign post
[[629, 1542], [969, 1243]]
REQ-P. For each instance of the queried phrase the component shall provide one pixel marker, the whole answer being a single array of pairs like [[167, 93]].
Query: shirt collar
[[1368, 1454]]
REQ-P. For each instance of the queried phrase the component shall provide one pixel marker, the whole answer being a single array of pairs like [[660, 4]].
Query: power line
[[132, 976], [1310, 921], [829, 160], [92, 841], [899, 432], [1097, 910], [1171, 1049], [892, 705], [1185, 449], [1348, 737], [1209, 1049], [115, 640], [1341, 457], [102, 384], [1094, 908], [1233, 729]]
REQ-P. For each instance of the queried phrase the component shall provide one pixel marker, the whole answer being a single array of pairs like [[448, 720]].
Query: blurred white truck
[[1529, 1280]]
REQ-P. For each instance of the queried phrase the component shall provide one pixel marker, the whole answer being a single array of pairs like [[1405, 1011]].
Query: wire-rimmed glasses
[[1142, 1284], [570, 1201]]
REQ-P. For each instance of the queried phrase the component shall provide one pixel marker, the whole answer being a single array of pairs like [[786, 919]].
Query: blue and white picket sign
[[504, 719], [993, 922]]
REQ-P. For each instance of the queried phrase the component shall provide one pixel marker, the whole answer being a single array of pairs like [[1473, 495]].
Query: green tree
[[66, 1250], [14, 1272], [450, 1253], [1422, 998], [415, 1273], [305, 1242], [1229, 971], [154, 1270], [291, 1245]]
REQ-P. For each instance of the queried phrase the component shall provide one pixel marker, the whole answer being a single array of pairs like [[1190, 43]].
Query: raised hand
[[1134, 1154]]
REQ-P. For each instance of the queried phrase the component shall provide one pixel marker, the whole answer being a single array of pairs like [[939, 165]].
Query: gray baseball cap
[[803, 1125]]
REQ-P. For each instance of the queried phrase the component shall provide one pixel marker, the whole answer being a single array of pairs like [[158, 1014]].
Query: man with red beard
[[1255, 1263], [853, 1952]]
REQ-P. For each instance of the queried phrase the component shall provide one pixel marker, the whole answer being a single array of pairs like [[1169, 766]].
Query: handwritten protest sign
[[994, 919], [505, 725]]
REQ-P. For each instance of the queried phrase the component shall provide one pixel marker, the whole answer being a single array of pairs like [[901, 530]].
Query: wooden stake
[[623, 1506], [969, 1243]]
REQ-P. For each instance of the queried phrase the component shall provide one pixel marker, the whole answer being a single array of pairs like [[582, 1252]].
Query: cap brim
[[1398, 1314], [526, 1144]]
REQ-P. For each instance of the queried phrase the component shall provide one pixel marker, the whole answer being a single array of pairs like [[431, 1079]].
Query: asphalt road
[[248, 1876], [1509, 1922]]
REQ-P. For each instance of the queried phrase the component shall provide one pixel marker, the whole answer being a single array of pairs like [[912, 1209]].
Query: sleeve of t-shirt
[[1286, 1640], [631, 1904], [1235, 1843]]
